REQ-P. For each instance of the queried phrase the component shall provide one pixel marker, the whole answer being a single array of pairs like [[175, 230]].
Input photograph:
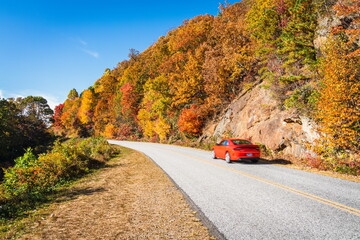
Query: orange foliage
[[69, 117], [192, 33], [128, 100], [339, 104], [109, 131], [191, 120], [197, 69]]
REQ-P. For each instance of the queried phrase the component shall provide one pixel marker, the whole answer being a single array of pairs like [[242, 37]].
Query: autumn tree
[[229, 61], [85, 113], [191, 121], [105, 89], [57, 126], [73, 94], [153, 113], [129, 101], [339, 105], [57, 114], [69, 117]]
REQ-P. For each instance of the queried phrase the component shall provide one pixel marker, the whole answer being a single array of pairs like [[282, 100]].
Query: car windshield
[[241, 142]]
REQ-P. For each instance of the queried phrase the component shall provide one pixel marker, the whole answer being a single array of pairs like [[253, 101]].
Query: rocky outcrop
[[327, 20], [255, 115]]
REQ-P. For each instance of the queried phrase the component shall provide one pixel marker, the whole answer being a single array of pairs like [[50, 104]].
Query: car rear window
[[241, 142]]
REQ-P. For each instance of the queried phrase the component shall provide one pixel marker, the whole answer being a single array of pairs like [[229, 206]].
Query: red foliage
[[57, 115], [281, 9], [128, 100], [125, 131]]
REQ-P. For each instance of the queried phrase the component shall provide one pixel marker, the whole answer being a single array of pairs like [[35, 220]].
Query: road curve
[[260, 201]]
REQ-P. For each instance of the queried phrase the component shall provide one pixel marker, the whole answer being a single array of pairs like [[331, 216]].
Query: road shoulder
[[129, 199]]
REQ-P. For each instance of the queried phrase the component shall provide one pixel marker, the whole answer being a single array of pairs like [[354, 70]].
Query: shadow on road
[[262, 161], [275, 161]]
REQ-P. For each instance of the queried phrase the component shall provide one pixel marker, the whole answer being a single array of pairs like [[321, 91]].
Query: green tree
[[35, 108], [22, 125], [73, 94]]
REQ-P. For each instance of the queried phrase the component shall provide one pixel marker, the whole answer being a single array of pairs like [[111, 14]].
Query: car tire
[[227, 157], [214, 154]]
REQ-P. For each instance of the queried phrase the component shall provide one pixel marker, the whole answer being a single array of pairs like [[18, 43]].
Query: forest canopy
[[173, 88]]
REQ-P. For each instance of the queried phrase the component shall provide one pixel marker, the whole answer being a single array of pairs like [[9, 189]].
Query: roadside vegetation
[[129, 198], [24, 123], [33, 178]]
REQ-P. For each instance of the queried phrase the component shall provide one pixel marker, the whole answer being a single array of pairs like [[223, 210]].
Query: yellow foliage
[[110, 131], [339, 104], [263, 21], [162, 128], [87, 101], [188, 87], [146, 123]]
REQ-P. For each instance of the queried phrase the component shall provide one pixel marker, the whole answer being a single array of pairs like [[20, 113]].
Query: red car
[[236, 150]]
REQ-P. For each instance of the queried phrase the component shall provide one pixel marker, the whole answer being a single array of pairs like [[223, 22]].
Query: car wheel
[[227, 158], [214, 154]]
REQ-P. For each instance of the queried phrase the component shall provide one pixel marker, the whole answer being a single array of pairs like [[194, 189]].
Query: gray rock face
[[255, 116]]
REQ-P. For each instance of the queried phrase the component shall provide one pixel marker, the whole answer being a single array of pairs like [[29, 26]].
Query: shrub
[[303, 99], [27, 160], [33, 177]]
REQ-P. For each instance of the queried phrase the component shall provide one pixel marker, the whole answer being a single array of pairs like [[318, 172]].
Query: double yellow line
[[293, 190]]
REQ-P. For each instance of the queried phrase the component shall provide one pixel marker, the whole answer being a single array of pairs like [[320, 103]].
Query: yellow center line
[[293, 190]]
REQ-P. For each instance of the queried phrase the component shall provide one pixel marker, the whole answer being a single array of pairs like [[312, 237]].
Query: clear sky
[[48, 47]]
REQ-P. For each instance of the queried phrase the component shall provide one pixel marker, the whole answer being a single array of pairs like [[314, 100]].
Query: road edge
[[199, 213]]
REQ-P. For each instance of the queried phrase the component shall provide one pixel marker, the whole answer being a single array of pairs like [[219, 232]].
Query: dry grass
[[130, 199]]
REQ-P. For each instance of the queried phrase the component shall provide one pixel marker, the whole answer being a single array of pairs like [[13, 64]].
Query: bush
[[303, 99], [335, 160], [33, 177]]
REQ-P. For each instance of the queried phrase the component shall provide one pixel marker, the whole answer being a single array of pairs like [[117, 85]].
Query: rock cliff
[[255, 115]]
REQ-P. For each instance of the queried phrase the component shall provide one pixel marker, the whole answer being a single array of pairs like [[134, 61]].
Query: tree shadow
[[71, 194], [113, 165], [280, 161]]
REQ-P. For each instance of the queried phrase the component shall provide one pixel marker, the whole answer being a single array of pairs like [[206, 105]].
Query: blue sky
[[48, 47]]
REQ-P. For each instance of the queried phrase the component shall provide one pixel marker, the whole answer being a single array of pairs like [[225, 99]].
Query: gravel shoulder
[[129, 199]]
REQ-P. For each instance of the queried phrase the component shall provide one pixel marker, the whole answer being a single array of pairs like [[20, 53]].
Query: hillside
[[283, 73]]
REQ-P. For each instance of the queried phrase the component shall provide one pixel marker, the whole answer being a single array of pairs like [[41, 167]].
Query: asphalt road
[[260, 201]]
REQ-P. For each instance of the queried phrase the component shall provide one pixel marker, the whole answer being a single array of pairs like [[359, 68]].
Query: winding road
[[260, 201]]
